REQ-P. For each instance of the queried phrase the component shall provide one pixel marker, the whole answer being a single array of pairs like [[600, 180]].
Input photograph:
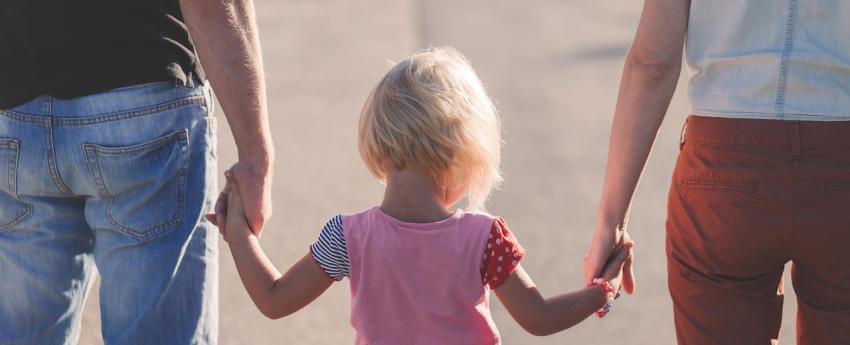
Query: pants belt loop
[[682, 135], [794, 138], [190, 80]]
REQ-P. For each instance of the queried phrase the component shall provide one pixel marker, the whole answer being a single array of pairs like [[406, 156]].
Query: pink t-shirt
[[419, 283]]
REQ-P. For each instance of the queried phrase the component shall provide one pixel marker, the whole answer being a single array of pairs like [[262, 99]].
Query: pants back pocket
[[12, 210], [142, 186]]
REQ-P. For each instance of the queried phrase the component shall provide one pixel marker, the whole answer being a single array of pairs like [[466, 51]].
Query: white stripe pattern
[[330, 250]]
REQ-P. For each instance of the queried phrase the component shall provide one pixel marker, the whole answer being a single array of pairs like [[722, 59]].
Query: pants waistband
[[794, 136]]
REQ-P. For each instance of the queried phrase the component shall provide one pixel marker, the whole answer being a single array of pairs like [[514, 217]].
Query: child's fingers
[[234, 201], [210, 217], [222, 229], [233, 191], [220, 210], [615, 265]]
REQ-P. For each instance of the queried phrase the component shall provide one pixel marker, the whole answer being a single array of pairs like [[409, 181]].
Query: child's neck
[[414, 197]]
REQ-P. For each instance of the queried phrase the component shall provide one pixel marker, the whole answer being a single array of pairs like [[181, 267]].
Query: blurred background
[[552, 67]]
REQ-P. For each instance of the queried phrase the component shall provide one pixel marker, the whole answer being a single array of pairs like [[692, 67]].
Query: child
[[419, 272]]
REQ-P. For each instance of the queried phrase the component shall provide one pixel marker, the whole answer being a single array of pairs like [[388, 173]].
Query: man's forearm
[[226, 37]]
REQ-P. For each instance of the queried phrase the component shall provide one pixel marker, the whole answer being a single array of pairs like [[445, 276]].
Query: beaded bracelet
[[609, 294]]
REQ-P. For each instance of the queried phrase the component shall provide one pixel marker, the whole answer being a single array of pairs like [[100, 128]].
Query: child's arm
[[544, 316], [274, 294]]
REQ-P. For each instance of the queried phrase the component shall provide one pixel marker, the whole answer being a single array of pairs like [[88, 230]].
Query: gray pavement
[[553, 69]]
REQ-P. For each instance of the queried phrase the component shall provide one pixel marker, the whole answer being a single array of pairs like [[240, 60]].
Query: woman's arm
[[274, 294], [544, 316], [649, 79]]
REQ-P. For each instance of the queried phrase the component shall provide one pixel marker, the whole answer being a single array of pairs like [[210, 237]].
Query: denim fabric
[[118, 181], [770, 59]]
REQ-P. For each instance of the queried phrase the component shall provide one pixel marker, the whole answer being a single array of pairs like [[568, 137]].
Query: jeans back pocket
[[12, 210], [144, 185]]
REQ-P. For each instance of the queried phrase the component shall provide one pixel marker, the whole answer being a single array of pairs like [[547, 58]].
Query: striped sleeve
[[330, 251]]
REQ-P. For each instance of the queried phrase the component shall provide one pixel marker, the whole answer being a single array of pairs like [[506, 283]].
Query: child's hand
[[219, 210], [230, 213], [613, 270]]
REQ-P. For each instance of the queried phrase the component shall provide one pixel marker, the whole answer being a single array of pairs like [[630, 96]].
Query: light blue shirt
[[770, 59]]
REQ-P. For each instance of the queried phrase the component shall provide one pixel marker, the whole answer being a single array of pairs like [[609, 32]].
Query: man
[[107, 160]]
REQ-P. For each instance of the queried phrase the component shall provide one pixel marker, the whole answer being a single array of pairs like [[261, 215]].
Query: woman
[[763, 176]]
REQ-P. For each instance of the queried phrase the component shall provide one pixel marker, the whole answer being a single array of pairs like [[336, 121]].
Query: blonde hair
[[431, 112]]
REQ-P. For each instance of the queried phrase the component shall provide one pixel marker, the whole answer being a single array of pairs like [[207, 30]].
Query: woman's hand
[[618, 265], [603, 251]]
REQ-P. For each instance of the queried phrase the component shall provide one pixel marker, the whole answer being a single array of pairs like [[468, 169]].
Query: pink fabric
[[419, 283]]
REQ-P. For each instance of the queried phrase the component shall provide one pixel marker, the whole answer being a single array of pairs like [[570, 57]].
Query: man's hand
[[254, 187], [254, 184]]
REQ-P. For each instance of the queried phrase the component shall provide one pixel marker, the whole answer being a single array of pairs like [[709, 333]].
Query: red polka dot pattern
[[501, 255]]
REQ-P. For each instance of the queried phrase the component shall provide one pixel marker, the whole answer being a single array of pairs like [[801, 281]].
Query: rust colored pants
[[748, 196]]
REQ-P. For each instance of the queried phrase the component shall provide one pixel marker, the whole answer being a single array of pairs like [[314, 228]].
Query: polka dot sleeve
[[501, 255]]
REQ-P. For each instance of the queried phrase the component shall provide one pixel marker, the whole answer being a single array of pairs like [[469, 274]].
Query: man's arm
[[225, 35]]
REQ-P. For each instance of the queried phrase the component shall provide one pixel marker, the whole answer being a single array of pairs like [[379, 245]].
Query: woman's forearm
[[646, 89]]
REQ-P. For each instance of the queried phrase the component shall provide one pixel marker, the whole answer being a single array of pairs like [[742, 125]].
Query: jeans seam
[[12, 175], [51, 150], [91, 160], [70, 121], [20, 218], [790, 27], [144, 235], [181, 134], [155, 109], [24, 117], [52, 166]]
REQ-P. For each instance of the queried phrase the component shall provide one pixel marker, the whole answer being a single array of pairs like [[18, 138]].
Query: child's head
[[431, 112]]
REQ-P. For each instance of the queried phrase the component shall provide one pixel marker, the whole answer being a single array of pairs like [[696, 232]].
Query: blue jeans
[[114, 183]]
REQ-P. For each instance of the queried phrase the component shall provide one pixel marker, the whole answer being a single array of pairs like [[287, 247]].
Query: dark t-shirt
[[72, 48]]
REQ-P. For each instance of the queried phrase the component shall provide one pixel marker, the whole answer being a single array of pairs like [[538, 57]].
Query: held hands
[[230, 213], [602, 249], [255, 192], [613, 271]]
